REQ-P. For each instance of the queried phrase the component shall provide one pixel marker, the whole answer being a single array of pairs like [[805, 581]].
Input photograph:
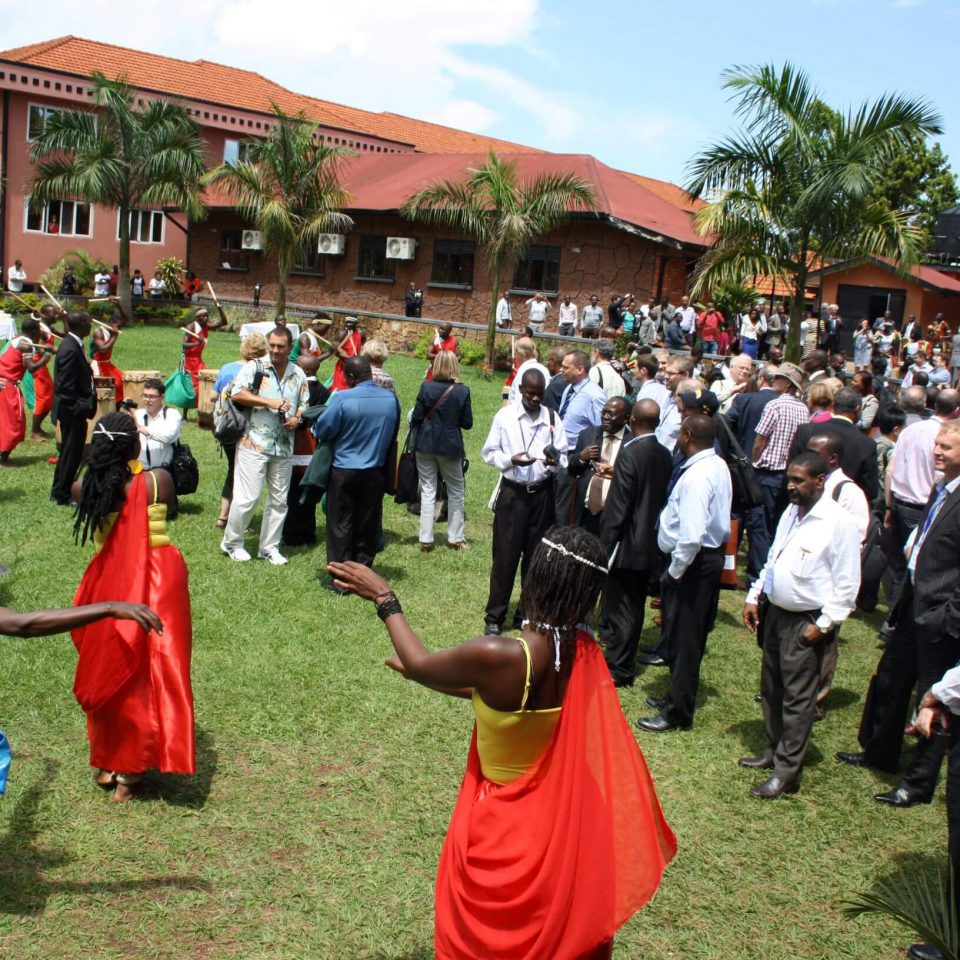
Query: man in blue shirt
[[581, 406], [361, 423]]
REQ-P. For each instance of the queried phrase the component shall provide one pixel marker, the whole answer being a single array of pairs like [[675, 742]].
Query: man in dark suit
[[743, 416], [925, 640], [74, 403], [628, 523], [592, 463], [859, 457], [553, 395]]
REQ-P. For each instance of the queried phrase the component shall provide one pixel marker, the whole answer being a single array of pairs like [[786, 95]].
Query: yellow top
[[510, 742], [156, 518]]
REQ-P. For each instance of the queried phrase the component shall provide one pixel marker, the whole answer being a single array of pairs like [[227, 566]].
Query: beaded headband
[[100, 428], [569, 553]]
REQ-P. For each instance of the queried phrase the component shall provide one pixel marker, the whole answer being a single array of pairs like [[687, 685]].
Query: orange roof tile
[[669, 192]]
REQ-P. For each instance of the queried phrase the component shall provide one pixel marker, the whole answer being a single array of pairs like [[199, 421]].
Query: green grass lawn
[[325, 781]]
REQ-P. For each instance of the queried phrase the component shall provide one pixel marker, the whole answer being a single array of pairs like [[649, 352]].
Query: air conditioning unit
[[252, 240], [401, 248], [332, 244]]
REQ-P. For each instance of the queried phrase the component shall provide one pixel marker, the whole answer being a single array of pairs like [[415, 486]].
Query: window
[[146, 226], [538, 270], [232, 254], [374, 264], [236, 151], [309, 261], [453, 263], [37, 118], [68, 218]]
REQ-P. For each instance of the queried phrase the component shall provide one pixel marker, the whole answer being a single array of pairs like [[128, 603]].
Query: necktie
[[567, 397], [595, 490]]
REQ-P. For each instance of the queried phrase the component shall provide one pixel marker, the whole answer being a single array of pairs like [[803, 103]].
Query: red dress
[[104, 367], [134, 686], [193, 354], [352, 346], [449, 344], [43, 384], [13, 411], [548, 867]]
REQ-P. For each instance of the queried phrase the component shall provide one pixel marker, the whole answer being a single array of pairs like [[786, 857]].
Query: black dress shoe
[[626, 682], [774, 787], [644, 649], [652, 660], [491, 629], [923, 951], [901, 797], [657, 703], [660, 724], [758, 698], [763, 762], [333, 588], [852, 759]]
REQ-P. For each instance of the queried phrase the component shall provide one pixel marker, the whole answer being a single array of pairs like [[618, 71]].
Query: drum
[[207, 378], [133, 383]]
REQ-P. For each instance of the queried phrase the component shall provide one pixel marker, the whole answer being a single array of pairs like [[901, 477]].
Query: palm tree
[[121, 157], [289, 187], [797, 183], [501, 213]]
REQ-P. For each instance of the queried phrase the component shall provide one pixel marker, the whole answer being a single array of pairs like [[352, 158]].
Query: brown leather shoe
[[774, 787], [763, 762], [426, 547]]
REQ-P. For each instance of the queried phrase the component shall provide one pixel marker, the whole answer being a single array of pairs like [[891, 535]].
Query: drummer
[[310, 342], [196, 329], [102, 341], [47, 318]]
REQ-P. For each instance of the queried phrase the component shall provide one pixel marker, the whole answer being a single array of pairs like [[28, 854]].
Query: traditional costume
[[557, 837], [194, 342], [133, 685], [13, 411], [450, 343], [42, 379], [352, 344], [103, 366]]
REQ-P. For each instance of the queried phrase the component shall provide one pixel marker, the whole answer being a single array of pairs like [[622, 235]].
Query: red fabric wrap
[[193, 357], [134, 686], [42, 391], [13, 415], [550, 866], [353, 344], [107, 368]]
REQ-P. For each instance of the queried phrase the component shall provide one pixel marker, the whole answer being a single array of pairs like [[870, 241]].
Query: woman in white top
[[752, 329]]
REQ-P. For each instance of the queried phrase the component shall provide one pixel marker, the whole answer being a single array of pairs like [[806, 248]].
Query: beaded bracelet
[[388, 606]]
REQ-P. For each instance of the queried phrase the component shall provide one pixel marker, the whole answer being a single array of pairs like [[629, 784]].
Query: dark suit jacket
[[634, 501], [553, 395], [744, 415], [73, 392], [936, 583], [440, 435], [581, 472], [859, 453]]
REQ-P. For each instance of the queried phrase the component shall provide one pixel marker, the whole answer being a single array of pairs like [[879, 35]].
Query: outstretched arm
[[41, 623]]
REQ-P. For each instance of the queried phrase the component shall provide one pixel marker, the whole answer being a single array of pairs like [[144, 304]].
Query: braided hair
[[560, 589], [113, 445]]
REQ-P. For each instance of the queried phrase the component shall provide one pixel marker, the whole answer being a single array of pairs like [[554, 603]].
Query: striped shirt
[[779, 423]]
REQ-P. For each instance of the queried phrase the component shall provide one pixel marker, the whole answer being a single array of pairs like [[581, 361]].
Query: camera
[[129, 404], [550, 452]]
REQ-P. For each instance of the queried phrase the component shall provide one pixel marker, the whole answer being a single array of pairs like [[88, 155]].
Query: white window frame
[[45, 219], [47, 109], [235, 151], [136, 217]]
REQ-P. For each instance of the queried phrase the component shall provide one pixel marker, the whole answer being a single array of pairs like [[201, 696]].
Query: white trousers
[[253, 472], [451, 468]]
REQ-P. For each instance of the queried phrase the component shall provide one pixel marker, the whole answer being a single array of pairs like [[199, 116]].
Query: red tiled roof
[[385, 181], [926, 276], [211, 82]]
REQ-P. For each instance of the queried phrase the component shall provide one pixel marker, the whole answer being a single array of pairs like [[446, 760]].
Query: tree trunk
[[794, 344], [283, 263], [492, 319], [123, 284]]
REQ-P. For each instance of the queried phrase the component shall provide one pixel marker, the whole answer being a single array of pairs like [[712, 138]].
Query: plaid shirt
[[779, 423]]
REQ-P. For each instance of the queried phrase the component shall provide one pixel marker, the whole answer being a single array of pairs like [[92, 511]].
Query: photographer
[[413, 301], [159, 425]]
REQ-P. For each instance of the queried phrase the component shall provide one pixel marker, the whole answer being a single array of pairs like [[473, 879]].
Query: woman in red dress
[[348, 347], [133, 684], [18, 358], [195, 333], [557, 837]]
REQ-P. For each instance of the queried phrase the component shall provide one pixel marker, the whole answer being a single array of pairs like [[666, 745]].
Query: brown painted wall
[[595, 259]]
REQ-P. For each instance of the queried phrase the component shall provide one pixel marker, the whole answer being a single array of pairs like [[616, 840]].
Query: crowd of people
[[615, 480]]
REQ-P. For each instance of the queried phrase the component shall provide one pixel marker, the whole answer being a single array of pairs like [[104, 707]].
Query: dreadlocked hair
[[559, 589], [113, 445]]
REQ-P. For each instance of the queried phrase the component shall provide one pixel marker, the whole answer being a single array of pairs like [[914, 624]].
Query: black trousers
[[73, 438], [354, 514], [621, 621], [519, 522], [903, 518], [300, 524], [564, 490], [953, 804], [911, 660], [689, 608]]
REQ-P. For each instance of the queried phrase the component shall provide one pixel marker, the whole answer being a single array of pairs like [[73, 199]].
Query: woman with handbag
[[557, 837], [442, 410]]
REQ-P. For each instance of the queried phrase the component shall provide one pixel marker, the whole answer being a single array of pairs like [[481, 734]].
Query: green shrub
[[172, 271], [84, 268], [471, 354], [16, 308], [423, 345]]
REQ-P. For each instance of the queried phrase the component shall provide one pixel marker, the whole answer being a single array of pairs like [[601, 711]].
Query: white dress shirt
[[851, 498], [15, 279], [514, 431], [567, 315], [697, 515], [947, 690], [911, 549], [688, 320], [533, 364], [913, 474], [504, 314], [156, 447], [813, 564]]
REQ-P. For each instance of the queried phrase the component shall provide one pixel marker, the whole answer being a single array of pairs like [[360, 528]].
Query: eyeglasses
[[151, 396]]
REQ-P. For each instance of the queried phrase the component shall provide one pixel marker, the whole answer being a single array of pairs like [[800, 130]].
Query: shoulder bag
[[406, 478], [747, 492]]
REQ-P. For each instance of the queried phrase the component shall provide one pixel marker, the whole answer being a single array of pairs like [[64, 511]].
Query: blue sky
[[635, 84]]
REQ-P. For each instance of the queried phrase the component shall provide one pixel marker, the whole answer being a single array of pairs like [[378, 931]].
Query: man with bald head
[[628, 528], [591, 465], [914, 403]]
